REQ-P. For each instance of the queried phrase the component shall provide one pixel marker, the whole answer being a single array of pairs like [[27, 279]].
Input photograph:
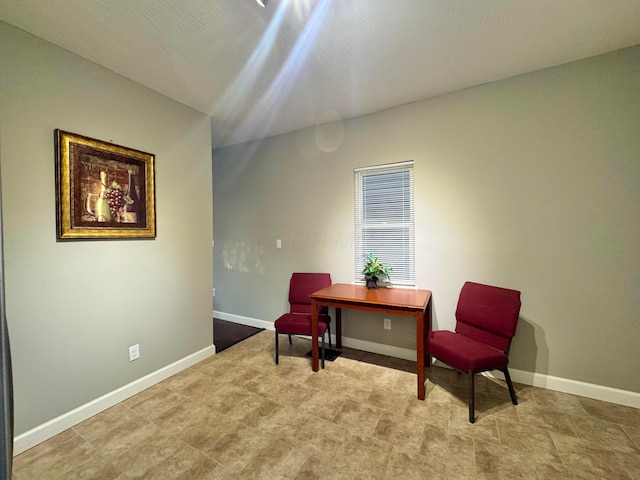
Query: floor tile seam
[[384, 409], [181, 423], [500, 442], [348, 377], [554, 409], [476, 469], [335, 410], [147, 416], [265, 449], [295, 403], [97, 451], [246, 461], [182, 387], [200, 452], [538, 468], [449, 420], [300, 467], [573, 428], [42, 449], [422, 440], [418, 444], [395, 411], [462, 431], [620, 465], [632, 474], [224, 466], [64, 467], [546, 428], [145, 395], [302, 384], [607, 421], [377, 423], [563, 460], [247, 397], [91, 442], [633, 442], [141, 443], [517, 450], [351, 428], [152, 416], [24, 467]]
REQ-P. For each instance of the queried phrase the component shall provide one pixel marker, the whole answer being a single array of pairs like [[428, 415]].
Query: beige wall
[[74, 308], [530, 183]]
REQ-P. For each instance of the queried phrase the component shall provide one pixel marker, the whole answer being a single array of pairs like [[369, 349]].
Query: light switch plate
[[134, 352]]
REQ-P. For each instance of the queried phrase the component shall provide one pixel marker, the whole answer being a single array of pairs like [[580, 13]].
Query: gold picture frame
[[103, 191]]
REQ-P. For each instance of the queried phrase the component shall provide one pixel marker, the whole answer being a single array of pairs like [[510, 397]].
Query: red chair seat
[[298, 324], [464, 353]]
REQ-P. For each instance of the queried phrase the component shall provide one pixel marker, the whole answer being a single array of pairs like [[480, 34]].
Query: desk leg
[[338, 327], [420, 324], [427, 330], [423, 327], [314, 335]]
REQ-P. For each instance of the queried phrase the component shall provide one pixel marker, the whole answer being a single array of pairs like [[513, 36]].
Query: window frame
[[391, 221]]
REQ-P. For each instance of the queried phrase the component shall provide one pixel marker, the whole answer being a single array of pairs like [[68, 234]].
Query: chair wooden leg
[[472, 401], [329, 330], [323, 351], [290, 340], [276, 347], [512, 392]]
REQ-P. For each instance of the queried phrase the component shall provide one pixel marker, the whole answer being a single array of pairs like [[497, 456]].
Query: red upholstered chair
[[486, 320], [298, 320]]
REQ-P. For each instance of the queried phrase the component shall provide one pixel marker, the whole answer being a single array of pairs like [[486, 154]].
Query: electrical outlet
[[387, 324], [278, 243], [214, 292], [134, 352]]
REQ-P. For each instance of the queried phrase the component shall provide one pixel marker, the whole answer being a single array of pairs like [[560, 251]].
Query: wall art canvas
[[103, 190]]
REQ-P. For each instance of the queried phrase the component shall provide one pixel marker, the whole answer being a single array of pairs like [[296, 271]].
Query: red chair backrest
[[301, 286], [488, 314]]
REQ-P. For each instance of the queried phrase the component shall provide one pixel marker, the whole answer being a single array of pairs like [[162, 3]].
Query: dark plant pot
[[372, 283]]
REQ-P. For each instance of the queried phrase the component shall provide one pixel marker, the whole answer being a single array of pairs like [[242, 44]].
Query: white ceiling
[[264, 71]]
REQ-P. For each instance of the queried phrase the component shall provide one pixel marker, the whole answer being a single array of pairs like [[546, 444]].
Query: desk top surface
[[347, 293]]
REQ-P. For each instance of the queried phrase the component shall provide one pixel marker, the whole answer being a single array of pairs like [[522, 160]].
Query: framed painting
[[103, 191]]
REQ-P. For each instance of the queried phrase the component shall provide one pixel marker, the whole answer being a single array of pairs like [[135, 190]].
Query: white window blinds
[[384, 219]]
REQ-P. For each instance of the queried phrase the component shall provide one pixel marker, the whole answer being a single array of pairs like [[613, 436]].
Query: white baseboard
[[59, 424], [565, 385], [582, 389], [252, 322], [380, 349]]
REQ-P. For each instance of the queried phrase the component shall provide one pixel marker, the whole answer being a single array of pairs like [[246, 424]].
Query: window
[[384, 219]]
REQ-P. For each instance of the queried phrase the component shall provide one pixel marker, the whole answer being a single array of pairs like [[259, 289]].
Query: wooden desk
[[398, 301]]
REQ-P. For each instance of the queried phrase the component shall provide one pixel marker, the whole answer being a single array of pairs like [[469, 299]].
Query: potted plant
[[374, 270]]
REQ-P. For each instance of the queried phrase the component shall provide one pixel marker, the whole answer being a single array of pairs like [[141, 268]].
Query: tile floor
[[237, 415]]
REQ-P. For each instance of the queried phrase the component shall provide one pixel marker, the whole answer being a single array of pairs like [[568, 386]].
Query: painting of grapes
[[107, 191], [103, 190]]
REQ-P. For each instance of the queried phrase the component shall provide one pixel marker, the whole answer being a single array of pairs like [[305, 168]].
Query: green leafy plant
[[374, 269]]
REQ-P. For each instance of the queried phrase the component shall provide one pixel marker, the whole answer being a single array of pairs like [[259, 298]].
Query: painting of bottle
[[102, 211], [132, 201]]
